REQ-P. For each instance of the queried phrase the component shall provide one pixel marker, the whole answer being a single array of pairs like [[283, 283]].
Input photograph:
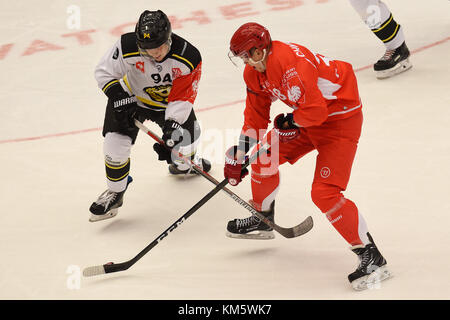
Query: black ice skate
[[393, 62], [107, 205], [204, 164], [252, 227], [372, 267]]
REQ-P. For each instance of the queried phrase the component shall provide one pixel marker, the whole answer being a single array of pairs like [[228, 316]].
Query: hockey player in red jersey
[[150, 74], [325, 115]]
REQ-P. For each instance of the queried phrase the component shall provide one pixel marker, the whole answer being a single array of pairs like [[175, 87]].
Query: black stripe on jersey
[[117, 173], [129, 45], [388, 29], [183, 51]]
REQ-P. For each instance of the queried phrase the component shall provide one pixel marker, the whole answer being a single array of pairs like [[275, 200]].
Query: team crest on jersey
[[294, 93], [159, 93]]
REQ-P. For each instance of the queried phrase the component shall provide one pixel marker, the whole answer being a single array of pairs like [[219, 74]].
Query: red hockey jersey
[[317, 88]]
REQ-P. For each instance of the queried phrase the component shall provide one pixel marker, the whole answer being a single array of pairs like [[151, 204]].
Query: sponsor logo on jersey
[[325, 172], [159, 93], [140, 66], [146, 35]]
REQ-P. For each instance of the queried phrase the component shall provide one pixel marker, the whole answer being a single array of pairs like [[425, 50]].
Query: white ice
[[400, 178]]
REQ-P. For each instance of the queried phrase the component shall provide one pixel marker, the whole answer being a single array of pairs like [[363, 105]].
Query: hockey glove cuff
[[286, 128], [233, 168], [172, 133]]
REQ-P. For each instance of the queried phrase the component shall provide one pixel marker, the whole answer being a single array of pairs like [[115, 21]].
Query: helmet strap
[[260, 61]]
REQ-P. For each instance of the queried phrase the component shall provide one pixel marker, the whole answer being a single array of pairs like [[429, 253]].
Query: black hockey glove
[[172, 133], [286, 128], [124, 107], [164, 153]]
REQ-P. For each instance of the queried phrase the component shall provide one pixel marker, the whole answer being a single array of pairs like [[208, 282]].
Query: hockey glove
[[164, 153], [124, 107], [172, 133], [233, 168], [286, 128]]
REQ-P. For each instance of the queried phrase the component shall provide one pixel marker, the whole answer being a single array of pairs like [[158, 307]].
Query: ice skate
[[252, 227], [107, 205], [204, 164], [393, 62], [372, 267]]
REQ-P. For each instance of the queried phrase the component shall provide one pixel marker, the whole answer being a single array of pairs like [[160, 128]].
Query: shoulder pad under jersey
[[129, 45], [185, 52]]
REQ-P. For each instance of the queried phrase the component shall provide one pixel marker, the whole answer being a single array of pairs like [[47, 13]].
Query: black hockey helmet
[[153, 29]]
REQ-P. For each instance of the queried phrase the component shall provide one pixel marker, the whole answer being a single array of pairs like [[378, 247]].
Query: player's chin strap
[[293, 232]]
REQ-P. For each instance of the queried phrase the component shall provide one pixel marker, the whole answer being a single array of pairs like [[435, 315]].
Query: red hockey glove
[[286, 128], [233, 168]]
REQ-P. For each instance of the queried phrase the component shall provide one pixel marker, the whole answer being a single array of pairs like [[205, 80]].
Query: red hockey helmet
[[248, 36]]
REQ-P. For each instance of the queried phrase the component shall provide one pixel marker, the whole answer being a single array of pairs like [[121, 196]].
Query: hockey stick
[[116, 267], [293, 232]]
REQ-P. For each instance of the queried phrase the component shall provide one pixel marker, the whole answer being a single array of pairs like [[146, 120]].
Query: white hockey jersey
[[168, 86]]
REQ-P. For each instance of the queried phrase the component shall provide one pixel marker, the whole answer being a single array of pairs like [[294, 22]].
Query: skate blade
[[372, 281], [401, 67], [256, 235], [98, 217]]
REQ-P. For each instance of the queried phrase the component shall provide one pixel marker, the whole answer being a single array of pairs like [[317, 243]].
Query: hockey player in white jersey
[[380, 20], [150, 74]]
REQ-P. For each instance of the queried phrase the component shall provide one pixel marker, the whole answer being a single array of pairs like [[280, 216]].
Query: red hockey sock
[[347, 220], [264, 190], [341, 212]]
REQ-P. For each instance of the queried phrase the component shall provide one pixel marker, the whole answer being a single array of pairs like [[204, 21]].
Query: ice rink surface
[[52, 160]]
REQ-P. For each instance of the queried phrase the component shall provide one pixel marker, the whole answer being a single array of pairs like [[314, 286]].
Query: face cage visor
[[244, 58], [144, 54]]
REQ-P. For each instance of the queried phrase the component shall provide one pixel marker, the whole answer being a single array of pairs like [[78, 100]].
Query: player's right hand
[[124, 107], [286, 128], [233, 167]]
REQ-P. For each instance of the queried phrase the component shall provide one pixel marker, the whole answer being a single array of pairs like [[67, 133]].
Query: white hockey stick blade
[[93, 271]]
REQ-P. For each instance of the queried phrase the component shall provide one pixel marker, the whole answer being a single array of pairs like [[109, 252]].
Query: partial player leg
[[377, 16], [372, 268], [252, 227], [116, 148], [188, 148], [265, 181], [393, 62], [333, 168], [117, 166]]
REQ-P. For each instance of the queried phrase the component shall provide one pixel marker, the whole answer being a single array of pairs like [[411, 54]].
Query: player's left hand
[[164, 153], [286, 128], [172, 133]]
